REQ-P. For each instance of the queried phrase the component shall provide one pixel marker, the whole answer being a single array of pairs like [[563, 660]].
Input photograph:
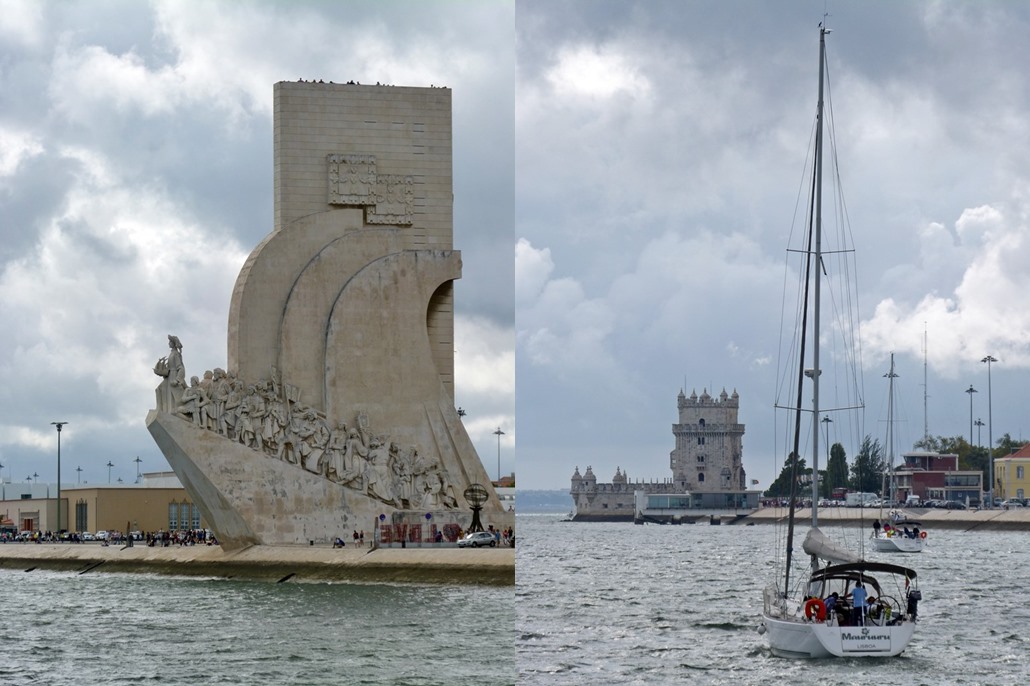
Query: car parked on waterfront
[[954, 505], [478, 538], [88, 536], [100, 535]]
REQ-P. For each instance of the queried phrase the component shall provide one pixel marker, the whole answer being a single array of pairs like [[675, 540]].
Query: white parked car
[[101, 536], [474, 540]]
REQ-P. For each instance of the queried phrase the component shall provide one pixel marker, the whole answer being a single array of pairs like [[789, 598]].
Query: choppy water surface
[[614, 603], [64, 628]]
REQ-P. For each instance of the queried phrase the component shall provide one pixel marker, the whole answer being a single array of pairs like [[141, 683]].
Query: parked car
[[101, 535], [954, 505], [474, 540], [87, 536], [1011, 503]]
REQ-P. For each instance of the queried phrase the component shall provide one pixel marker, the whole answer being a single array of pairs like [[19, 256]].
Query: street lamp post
[[979, 444], [59, 425], [498, 433], [971, 391], [826, 423], [137, 461], [990, 427], [109, 465]]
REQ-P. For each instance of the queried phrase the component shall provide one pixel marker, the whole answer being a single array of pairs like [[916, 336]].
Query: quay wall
[[930, 519], [959, 520], [461, 566]]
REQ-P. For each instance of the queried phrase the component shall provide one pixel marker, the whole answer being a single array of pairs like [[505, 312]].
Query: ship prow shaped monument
[[335, 411]]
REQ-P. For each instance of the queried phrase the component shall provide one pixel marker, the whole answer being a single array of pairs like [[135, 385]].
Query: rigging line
[[795, 456], [849, 305], [789, 272]]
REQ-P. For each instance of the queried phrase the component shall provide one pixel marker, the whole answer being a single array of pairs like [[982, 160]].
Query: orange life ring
[[922, 534], [815, 606]]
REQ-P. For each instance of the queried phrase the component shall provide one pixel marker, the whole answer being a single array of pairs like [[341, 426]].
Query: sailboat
[[847, 606], [899, 534]]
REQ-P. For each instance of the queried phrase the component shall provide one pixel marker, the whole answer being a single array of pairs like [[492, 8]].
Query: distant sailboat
[[899, 534], [847, 607]]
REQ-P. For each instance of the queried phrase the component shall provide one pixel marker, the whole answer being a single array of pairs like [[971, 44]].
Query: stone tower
[[707, 457]]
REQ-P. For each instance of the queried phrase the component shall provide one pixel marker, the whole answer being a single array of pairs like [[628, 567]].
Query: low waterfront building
[[1011, 474], [708, 476], [158, 503], [936, 476]]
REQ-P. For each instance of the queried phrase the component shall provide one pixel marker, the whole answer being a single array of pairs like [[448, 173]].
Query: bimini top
[[858, 570]]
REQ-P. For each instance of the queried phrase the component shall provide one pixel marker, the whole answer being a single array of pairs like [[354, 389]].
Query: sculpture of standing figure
[[173, 373]]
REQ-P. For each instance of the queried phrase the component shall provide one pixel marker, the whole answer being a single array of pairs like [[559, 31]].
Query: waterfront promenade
[[964, 520], [481, 566]]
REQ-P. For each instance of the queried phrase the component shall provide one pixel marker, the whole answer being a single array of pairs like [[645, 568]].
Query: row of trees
[[869, 467]]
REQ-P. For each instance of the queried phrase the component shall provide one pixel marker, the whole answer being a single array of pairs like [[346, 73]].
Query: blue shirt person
[[858, 602]]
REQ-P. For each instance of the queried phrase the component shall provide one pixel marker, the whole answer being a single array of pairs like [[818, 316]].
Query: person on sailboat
[[913, 596], [831, 602], [858, 604]]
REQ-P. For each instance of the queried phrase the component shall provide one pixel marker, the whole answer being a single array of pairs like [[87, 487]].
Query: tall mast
[[890, 425], [926, 387], [813, 373]]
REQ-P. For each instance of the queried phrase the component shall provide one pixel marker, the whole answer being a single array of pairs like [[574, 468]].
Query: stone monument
[[335, 411]]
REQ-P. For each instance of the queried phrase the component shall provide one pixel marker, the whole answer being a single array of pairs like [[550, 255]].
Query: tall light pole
[[826, 423], [498, 433], [109, 465], [971, 391], [78, 477], [59, 425], [137, 461], [990, 427], [978, 423]]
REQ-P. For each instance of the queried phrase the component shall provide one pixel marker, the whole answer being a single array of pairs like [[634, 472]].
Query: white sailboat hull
[[898, 544], [800, 638]]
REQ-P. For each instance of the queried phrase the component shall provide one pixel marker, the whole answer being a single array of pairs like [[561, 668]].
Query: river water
[[615, 603], [101, 628]]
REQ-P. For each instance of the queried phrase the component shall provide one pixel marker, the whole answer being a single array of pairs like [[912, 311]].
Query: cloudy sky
[[660, 149], [635, 165], [136, 176]]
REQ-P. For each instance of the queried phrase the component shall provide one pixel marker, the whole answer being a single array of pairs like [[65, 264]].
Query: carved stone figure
[[173, 372], [190, 404]]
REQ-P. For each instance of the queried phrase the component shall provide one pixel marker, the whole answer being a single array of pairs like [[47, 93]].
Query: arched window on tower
[[700, 478], [701, 422]]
